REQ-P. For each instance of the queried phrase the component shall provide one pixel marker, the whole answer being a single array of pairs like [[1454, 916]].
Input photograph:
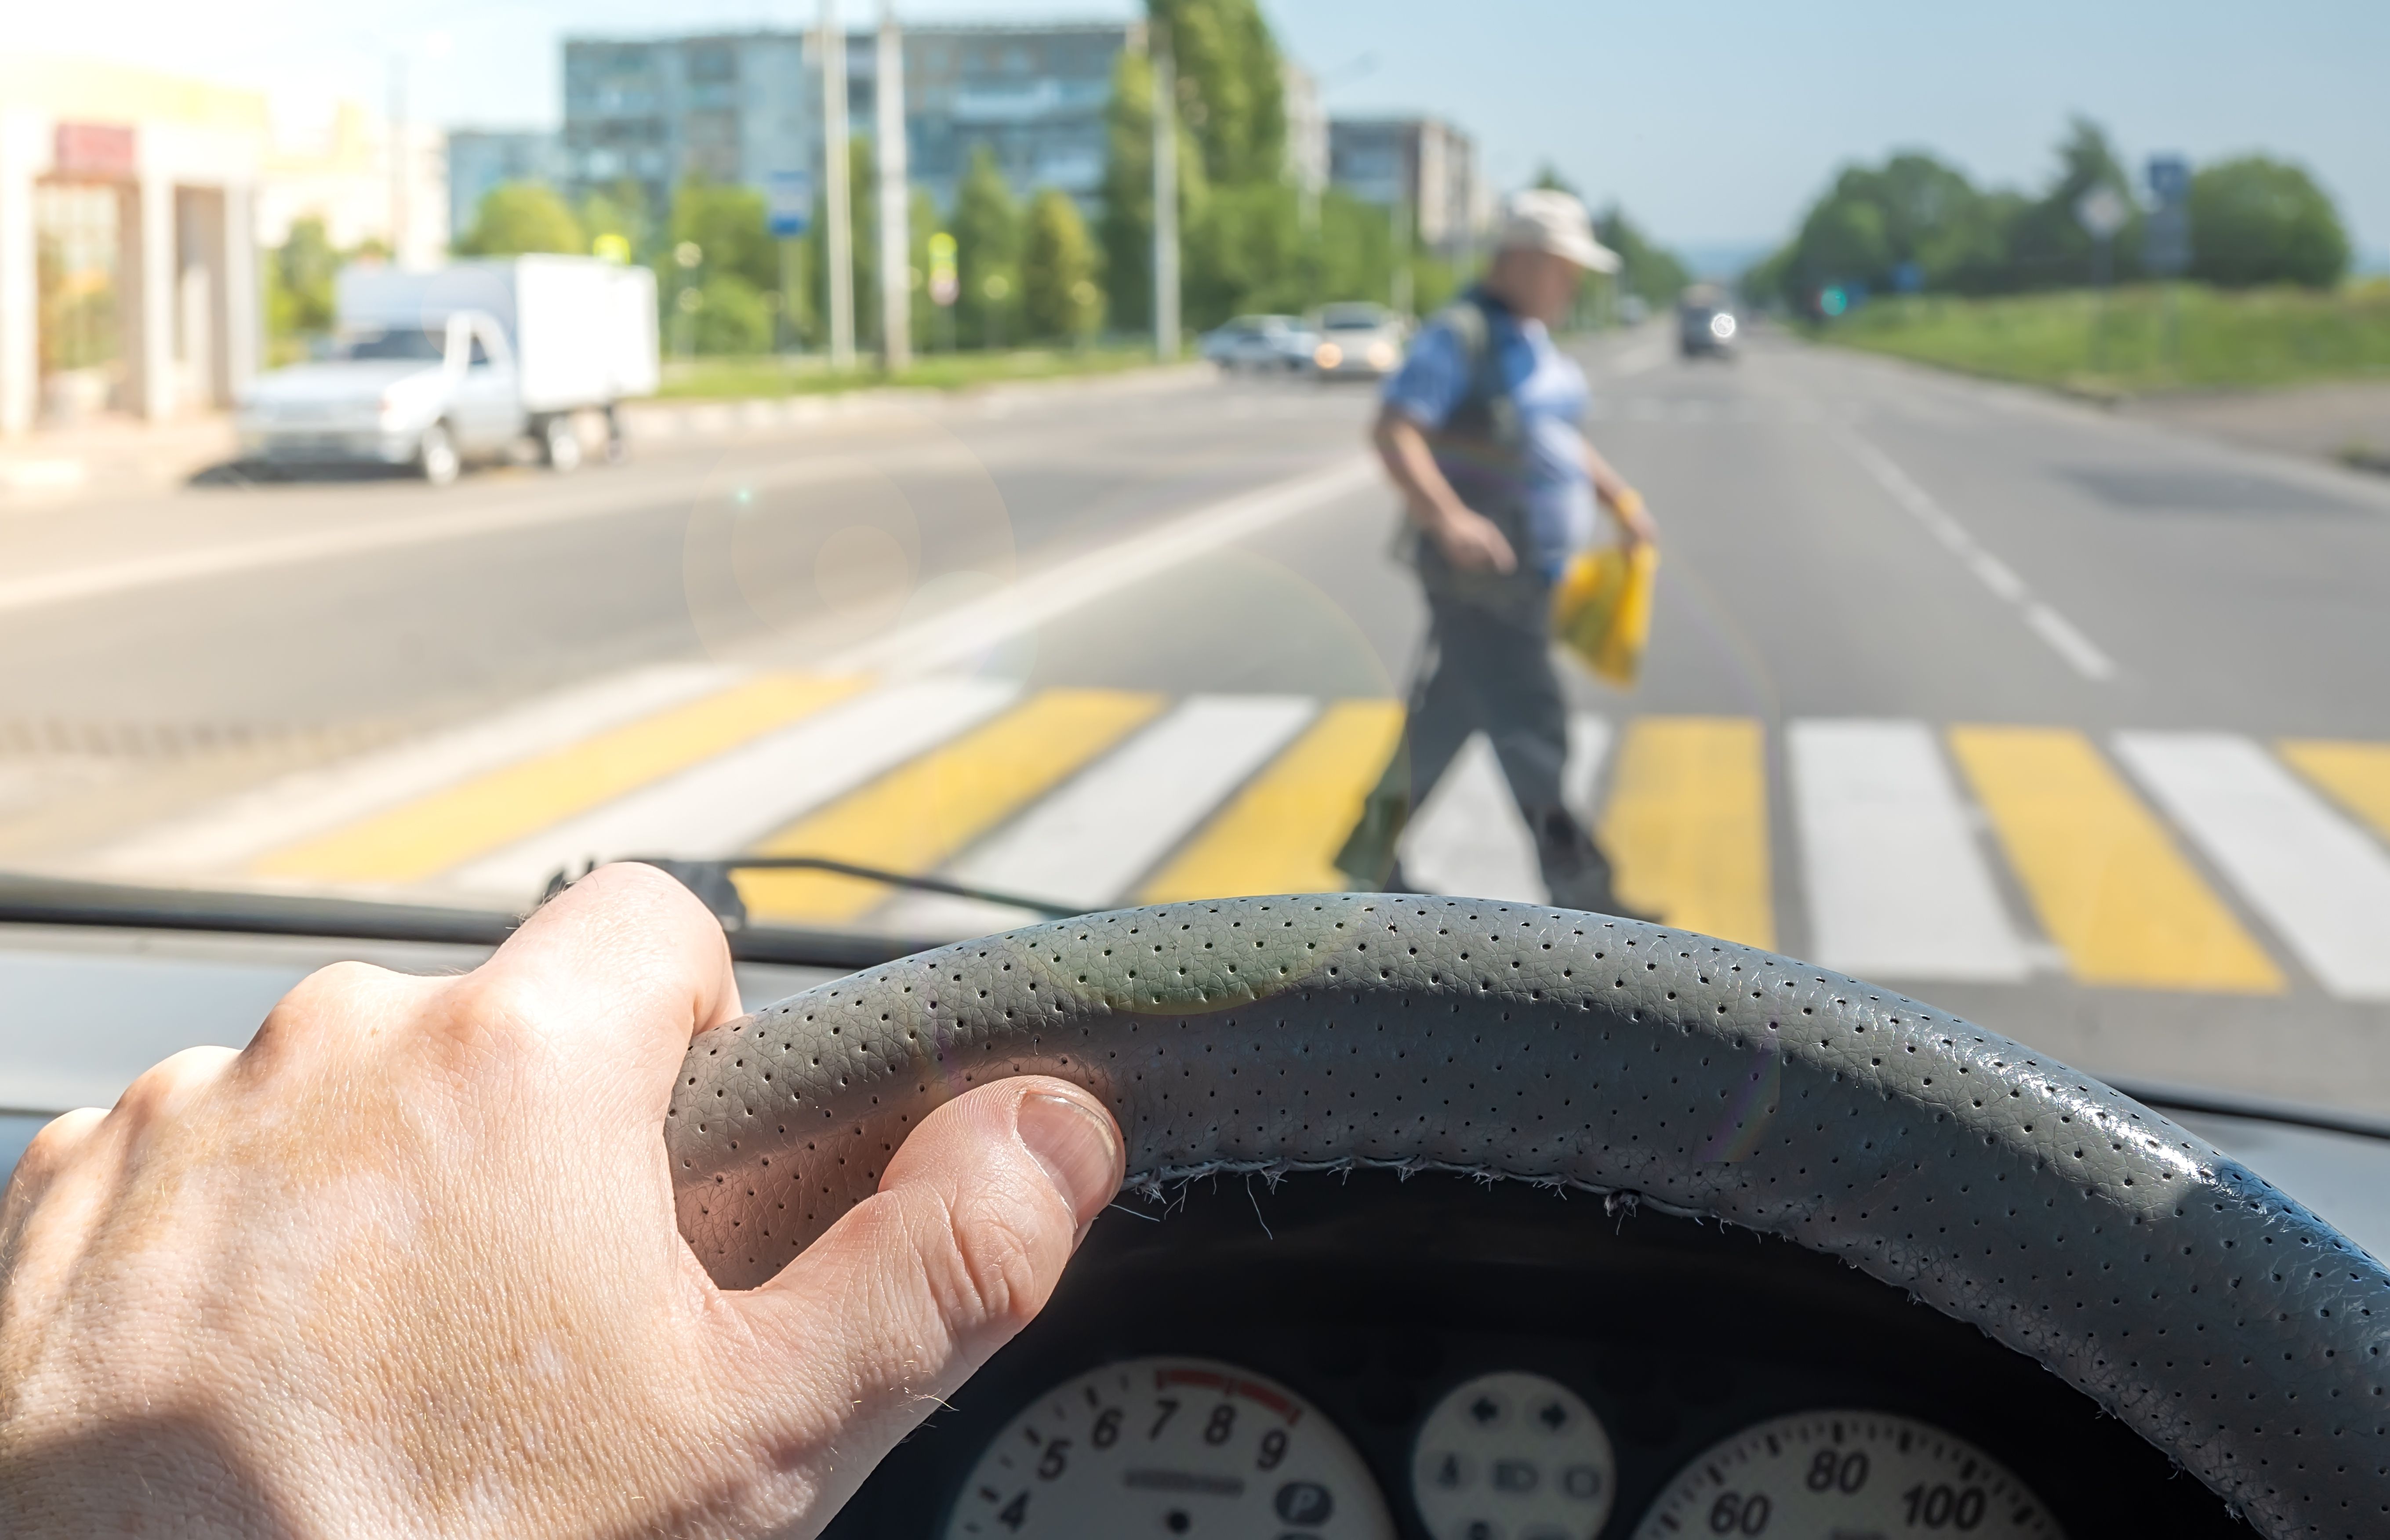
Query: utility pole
[[1166, 199], [838, 241], [895, 198], [1399, 232], [397, 158]]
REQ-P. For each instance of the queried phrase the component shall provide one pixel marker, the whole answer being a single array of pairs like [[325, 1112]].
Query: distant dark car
[[1705, 325]]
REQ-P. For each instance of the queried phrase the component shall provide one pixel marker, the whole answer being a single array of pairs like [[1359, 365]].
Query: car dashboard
[[1370, 1355]]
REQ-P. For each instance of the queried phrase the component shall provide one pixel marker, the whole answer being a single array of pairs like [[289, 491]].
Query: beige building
[[135, 211], [341, 175], [128, 257]]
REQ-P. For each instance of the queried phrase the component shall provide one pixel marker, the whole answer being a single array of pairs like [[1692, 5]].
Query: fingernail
[[1078, 1148]]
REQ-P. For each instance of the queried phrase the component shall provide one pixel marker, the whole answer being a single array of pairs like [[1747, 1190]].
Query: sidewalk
[[111, 454], [2348, 421]]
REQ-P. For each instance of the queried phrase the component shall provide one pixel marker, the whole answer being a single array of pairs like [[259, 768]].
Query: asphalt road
[[2057, 720]]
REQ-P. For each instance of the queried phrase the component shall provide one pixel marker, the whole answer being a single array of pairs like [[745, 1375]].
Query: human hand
[[1473, 543], [407, 1264], [1634, 520]]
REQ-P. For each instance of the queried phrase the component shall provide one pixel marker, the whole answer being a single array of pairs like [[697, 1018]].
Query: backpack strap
[[1486, 412]]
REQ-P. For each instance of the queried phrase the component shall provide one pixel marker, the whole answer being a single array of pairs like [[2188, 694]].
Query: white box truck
[[431, 369]]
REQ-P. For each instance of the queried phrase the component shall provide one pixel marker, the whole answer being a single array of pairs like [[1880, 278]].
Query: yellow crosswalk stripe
[[1281, 834], [1687, 825], [915, 817], [2355, 775], [2110, 888], [432, 834]]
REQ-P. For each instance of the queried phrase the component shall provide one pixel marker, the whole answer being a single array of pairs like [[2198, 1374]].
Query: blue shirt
[[1552, 397]]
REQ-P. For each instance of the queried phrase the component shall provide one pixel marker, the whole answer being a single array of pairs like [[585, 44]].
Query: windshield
[[1348, 318], [401, 343], [1944, 537]]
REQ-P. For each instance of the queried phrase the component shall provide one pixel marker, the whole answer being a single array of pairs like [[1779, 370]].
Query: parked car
[[431, 369], [1357, 339], [1261, 342]]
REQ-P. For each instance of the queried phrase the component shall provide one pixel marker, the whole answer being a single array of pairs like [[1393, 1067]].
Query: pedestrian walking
[[1480, 430]]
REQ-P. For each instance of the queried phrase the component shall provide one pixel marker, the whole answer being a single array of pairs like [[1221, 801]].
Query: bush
[[2255, 221], [515, 217], [732, 316]]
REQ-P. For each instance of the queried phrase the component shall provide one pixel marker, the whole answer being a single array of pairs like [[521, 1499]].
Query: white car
[[1357, 341], [1261, 342]]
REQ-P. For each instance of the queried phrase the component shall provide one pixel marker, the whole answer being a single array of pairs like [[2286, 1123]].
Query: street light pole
[[895, 199], [1165, 197], [838, 241], [397, 158]]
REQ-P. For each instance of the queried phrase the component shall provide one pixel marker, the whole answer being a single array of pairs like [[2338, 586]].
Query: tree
[[1127, 227], [987, 253], [620, 209], [729, 227], [1644, 268], [515, 217], [1058, 296], [2046, 246], [1231, 93], [2256, 221], [300, 279]]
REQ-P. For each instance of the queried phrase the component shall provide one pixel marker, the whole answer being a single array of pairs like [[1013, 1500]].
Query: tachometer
[[1170, 1446], [1820, 1475]]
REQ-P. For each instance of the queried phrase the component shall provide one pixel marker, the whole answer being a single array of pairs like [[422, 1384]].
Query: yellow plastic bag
[[1601, 608]]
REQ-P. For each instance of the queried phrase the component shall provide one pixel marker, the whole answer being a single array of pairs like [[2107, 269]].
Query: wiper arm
[[711, 881]]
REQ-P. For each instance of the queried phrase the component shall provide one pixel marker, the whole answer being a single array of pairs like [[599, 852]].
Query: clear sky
[[1713, 122]]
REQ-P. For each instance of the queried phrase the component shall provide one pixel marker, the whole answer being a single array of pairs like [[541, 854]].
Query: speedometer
[[1832, 1473], [1169, 1447]]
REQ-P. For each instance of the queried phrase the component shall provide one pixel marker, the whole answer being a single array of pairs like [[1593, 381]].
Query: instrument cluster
[[1374, 1359]]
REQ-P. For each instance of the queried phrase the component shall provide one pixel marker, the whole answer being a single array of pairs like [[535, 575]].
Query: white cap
[[1545, 219]]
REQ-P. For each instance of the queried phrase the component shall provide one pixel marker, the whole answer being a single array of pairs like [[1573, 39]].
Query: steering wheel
[[2229, 1327]]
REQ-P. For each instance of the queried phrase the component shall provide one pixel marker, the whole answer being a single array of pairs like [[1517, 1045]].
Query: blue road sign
[[2165, 234], [2169, 178], [787, 202]]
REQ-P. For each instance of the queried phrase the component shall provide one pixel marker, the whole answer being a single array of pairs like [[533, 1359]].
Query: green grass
[[726, 378], [2116, 343]]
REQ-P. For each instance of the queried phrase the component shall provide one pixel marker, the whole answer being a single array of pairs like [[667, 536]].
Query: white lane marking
[[729, 801], [231, 833], [2069, 643], [978, 625], [1588, 746], [2064, 639], [1087, 844], [1467, 838], [2320, 882], [1897, 884]]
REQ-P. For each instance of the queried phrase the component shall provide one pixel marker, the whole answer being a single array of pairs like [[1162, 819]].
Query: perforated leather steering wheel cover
[[2230, 1327]]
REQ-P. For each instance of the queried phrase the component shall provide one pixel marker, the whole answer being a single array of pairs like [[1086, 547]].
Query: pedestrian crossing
[[1909, 850]]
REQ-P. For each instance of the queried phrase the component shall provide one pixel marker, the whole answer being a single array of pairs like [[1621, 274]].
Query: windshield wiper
[[711, 881]]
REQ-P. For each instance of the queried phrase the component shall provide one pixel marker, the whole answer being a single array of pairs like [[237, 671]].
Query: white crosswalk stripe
[[1087, 844], [2322, 883], [733, 799], [1897, 886], [1467, 837]]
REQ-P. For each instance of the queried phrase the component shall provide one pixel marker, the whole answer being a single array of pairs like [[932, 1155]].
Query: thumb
[[915, 1288]]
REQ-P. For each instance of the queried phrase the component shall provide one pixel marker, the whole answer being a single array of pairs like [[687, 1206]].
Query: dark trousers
[[1483, 672]]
